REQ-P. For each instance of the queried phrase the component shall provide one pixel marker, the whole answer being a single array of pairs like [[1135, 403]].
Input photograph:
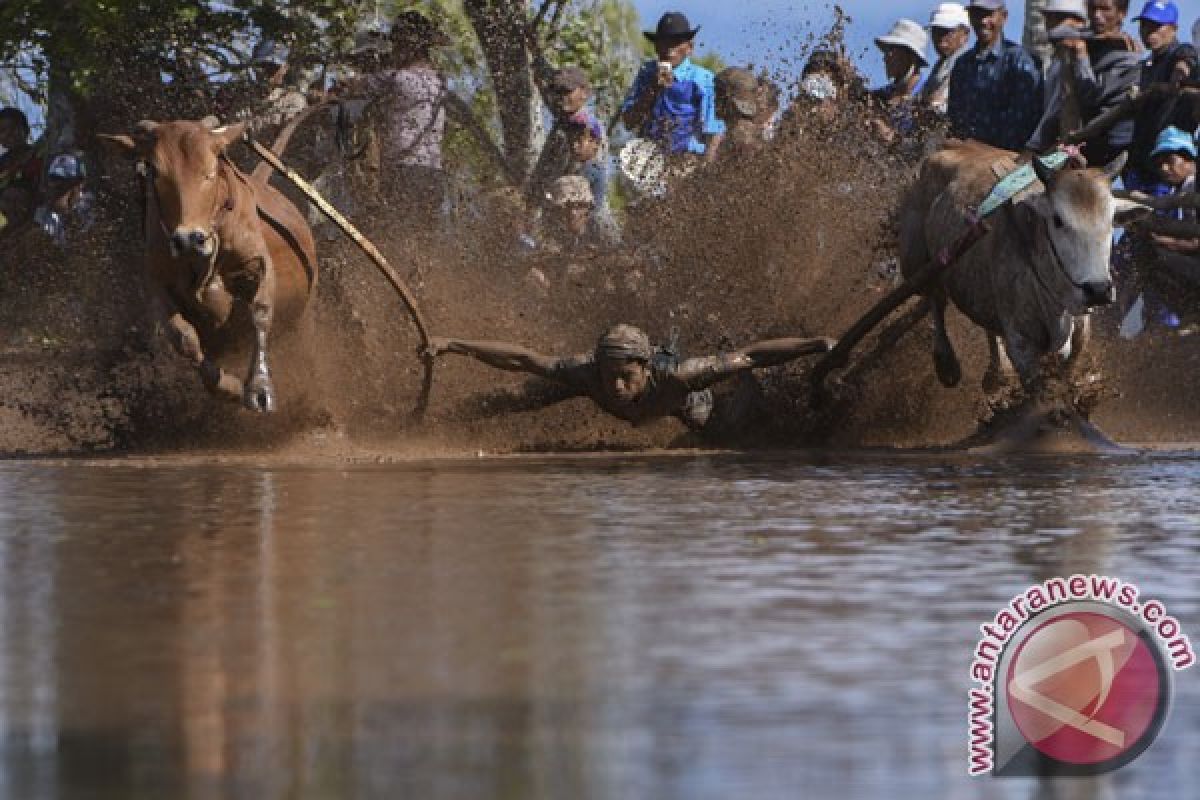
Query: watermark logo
[[1074, 677]]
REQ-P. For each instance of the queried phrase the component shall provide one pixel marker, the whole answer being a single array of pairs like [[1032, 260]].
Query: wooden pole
[[839, 356]]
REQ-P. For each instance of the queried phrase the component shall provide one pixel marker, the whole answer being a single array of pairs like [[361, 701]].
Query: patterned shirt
[[684, 113], [996, 95], [414, 113]]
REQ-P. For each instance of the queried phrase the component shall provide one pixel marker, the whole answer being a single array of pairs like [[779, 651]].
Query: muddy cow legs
[[187, 343], [945, 361], [260, 391], [999, 368], [1081, 336], [1026, 360]]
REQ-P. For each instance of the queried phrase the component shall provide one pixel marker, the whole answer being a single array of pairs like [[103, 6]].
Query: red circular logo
[[1085, 688]]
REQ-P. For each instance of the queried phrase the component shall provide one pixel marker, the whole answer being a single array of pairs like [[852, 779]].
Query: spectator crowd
[[958, 75]]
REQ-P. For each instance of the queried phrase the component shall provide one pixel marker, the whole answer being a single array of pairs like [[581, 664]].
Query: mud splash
[[793, 242]]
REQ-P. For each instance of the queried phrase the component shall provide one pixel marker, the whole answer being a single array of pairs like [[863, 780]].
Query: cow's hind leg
[[945, 360]]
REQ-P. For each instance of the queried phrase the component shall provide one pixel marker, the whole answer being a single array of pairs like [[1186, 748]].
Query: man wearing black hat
[[673, 100], [996, 87]]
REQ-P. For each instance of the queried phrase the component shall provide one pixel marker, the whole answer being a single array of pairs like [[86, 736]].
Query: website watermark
[[1072, 677]]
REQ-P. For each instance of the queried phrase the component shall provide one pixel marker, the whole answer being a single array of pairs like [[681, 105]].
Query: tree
[[100, 64]]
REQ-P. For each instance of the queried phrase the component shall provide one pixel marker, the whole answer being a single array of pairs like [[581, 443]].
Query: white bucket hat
[[949, 16], [909, 34], [1076, 8]]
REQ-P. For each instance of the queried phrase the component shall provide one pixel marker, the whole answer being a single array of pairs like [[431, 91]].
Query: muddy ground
[[790, 243]]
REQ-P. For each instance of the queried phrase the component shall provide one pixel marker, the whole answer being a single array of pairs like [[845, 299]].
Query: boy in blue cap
[[1174, 158], [1171, 61], [673, 100], [1174, 259]]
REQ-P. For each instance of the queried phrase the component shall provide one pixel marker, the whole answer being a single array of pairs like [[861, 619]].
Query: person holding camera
[[673, 100]]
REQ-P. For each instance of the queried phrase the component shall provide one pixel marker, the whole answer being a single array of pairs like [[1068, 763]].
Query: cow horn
[[1114, 167], [146, 126], [211, 122], [1046, 175]]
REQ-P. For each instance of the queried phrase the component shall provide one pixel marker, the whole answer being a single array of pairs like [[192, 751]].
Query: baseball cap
[[570, 190], [987, 5], [1074, 8], [740, 86], [1174, 140], [584, 120], [949, 16], [1164, 12], [568, 79]]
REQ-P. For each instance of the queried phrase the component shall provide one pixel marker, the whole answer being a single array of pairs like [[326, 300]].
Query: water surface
[[715, 627]]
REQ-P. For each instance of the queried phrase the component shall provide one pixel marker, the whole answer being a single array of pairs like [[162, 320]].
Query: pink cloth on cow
[[414, 113]]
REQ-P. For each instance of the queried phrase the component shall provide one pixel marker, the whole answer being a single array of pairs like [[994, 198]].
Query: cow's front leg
[[1026, 360], [260, 391], [999, 368], [186, 341], [1081, 337]]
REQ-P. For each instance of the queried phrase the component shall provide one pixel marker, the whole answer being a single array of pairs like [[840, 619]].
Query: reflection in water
[[705, 628]]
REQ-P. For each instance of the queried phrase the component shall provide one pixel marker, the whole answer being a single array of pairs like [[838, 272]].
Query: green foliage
[[603, 37], [711, 61], [121, 54]]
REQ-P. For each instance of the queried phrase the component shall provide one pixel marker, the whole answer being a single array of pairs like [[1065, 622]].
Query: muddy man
[[633, 380]]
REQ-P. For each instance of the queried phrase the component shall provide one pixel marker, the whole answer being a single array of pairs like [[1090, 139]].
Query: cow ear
[[1116, 166], [227, 135], [1128, 212], [121, 144]]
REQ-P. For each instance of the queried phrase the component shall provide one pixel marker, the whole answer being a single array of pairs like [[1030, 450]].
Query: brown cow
[[214, 236]]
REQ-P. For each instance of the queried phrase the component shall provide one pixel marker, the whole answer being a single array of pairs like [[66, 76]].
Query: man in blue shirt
[[996, 87], [673, 101]]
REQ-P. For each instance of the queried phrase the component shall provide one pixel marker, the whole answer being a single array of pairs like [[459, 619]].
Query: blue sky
[[770, 32]]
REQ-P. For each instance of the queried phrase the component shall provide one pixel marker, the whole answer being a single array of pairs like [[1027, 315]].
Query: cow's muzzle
[[1099, 293], [192, 242]]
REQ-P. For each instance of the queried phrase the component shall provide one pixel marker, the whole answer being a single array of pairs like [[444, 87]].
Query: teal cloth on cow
[[1018, 181]]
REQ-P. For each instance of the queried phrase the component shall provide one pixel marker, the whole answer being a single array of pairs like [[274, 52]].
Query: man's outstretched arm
[[700, 373], [501, 355]]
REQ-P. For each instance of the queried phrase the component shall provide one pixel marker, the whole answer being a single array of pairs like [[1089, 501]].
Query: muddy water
[[676, 628]]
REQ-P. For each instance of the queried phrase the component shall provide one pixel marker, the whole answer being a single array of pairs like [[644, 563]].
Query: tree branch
[[461, 113]]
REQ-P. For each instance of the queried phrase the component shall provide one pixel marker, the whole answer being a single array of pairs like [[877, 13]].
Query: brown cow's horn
[[1044, 173], [1116, 166], [146, 126]]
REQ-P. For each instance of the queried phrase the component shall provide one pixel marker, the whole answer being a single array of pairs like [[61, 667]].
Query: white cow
[[1035, 278]]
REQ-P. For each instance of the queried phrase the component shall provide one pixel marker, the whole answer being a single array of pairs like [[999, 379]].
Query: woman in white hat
[[903, 51], [950, 29]]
